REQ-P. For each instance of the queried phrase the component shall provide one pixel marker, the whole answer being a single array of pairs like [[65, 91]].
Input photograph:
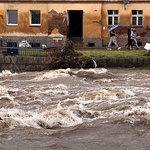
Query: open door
[[75, 27], [75, 23]]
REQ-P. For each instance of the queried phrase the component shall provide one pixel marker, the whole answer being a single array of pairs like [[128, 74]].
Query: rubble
[[68, 57]]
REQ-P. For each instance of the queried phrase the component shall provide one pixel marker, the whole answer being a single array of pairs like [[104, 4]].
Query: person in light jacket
[[133, 37]]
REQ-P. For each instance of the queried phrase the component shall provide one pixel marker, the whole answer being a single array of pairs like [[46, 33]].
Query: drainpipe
[[1, 42], [102, 22]]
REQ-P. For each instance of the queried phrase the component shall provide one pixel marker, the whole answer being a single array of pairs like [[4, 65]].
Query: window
[[35, 17], [12, 17], [137, 17], [113, 17]]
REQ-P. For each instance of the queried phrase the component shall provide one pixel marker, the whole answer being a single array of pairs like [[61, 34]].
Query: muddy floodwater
[[75, 109]]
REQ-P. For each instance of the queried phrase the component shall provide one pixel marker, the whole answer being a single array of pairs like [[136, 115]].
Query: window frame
[[137, 16], [115, 14], [9, 12], [35, 24]]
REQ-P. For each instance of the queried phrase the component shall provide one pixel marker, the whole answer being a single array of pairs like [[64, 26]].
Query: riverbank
[[30, 63]]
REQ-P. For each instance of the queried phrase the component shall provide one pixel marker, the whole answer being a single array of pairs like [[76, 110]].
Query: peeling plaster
[[58, 21]]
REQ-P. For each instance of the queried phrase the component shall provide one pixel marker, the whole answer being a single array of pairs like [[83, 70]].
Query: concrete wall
[[21, 64]]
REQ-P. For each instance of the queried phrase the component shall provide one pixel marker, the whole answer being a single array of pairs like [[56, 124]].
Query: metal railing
[[29, 46], [15, 51]]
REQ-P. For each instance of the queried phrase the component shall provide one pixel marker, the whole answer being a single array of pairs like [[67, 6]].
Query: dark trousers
[[130, 43]]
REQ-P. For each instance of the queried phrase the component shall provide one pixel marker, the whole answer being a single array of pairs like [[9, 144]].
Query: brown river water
[[75, 109]]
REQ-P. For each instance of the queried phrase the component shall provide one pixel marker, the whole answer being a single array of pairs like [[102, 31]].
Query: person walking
[[133, 37], [113, 39], [129, 44]]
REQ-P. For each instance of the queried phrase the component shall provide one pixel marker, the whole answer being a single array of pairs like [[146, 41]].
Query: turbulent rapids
[[68, 97], [75, 109]]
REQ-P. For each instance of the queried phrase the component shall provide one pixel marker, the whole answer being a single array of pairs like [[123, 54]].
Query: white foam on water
[[106, 94], [52, 90], [66, 72], [59, 117], [53, 74], [139, 110], [92, 70], [78, 103], [77, 113], [5, 97], [107, 99], [7, 73], [133, 114], [132, 111]]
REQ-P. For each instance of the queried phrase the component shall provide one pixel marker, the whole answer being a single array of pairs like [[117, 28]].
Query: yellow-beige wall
[[91, 17], [125, 19], [94, 17], [91, 14], [125, 14], [23, 18]]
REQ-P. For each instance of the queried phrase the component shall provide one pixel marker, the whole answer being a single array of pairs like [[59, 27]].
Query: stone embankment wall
[[20, 63], [123, 62]]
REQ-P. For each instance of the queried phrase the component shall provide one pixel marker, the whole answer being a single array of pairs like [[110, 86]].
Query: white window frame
[[137, 16], [113, 15], [10, 17], [35, 24]]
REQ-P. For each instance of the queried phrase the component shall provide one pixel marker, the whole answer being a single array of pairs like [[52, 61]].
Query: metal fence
[[25, 46]]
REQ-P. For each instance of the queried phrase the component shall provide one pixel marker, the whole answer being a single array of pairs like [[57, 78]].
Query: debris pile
[[68, 57]]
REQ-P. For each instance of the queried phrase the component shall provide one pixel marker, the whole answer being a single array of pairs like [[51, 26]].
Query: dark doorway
[[75, 26]]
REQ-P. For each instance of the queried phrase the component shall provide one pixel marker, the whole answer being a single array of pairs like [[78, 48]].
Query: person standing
[[133, 37], [113, 39]]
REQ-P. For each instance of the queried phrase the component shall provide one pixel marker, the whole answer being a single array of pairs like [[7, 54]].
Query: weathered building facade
[[86, 22]]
